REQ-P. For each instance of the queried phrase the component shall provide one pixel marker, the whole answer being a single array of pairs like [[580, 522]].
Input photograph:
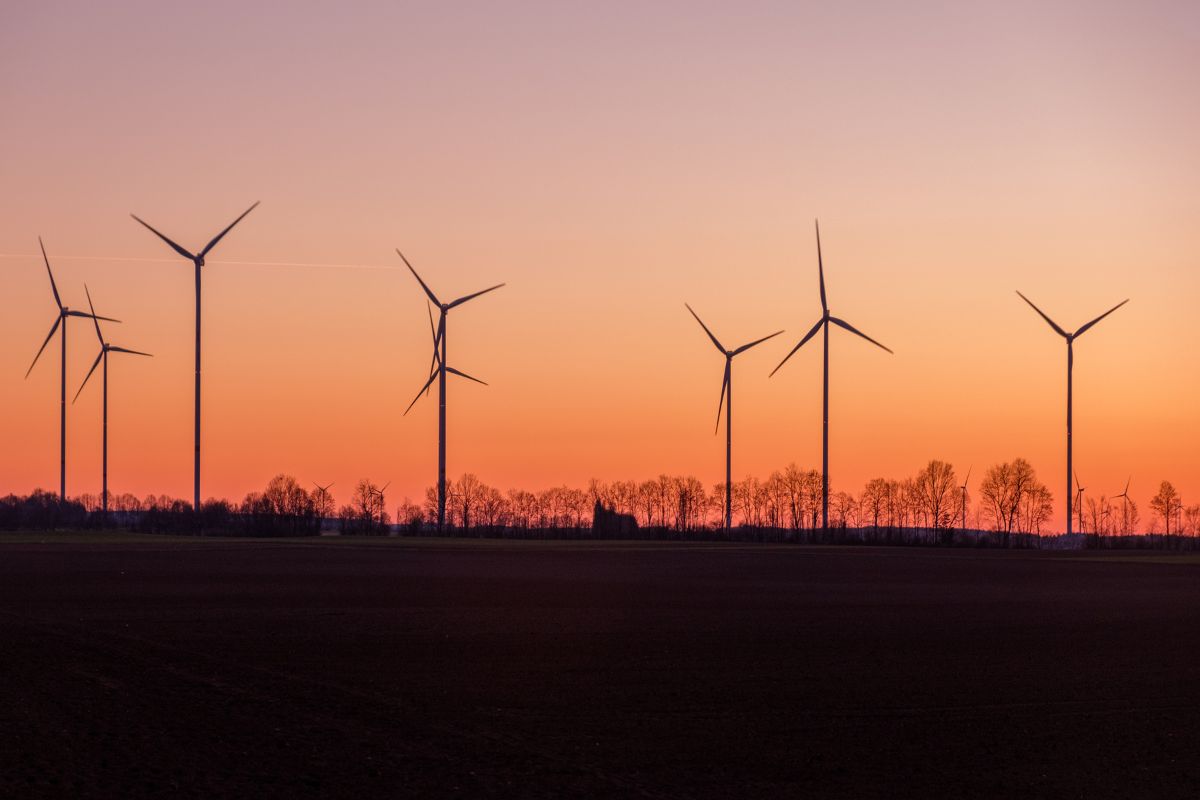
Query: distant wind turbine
[[1070, 337], [823, 322], [64, 314], [197, 260], [323, 496], [438, 370], [1124, 504], [382, 503], [966, 480], [1079, 490], [105, 349], [727, 390]]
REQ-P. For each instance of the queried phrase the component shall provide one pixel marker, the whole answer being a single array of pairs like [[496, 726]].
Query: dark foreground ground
[[148, 667]]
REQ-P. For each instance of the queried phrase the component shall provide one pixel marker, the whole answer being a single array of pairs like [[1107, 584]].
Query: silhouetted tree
[[935, 489], [1014, 499], [1166, 503]]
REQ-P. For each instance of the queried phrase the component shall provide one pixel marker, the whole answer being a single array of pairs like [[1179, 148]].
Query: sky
[[608, 162]]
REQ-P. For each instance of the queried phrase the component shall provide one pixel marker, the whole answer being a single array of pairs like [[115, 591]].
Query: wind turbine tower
[[1070, 337], [727, 390], [64, 314], [105, 349], [438, 372], [197, 260], [823, 324]]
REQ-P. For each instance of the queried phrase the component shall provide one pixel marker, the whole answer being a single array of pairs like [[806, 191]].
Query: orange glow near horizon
[[608, 166]]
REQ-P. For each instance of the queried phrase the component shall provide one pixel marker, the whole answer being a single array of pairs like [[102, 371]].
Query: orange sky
[[608, 164]]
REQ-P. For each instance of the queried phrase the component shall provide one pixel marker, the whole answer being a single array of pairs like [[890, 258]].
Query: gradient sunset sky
[[609, 162]]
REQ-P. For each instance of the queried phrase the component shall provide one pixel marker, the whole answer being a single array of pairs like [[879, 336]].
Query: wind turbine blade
[[721, 402], [95, 364], [228, 228], [53, 287], [50, 336], [1079, 332], [114, 349], [73, 313], [437, 340], [852, 329], [746, 347], [432, 330], [820, 266], [419, 393], [176, 247], [1049, 321], [967, 479], [95, 321], [464, 375], [719, 346], [1127, 485], [384, 487], [428, 291], [807, 336], [462, 300]]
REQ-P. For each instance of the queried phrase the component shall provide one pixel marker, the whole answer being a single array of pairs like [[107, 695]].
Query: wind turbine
[[1124, 504], [322, 496], [382, 505], [1070, 337], [197, 260], [727, 389], [64, 314], [823, 322], [966, 480], [105, 349], [438, 370], [1079, 499]]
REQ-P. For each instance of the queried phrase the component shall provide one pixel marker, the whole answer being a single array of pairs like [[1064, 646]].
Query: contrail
[[386, 267]]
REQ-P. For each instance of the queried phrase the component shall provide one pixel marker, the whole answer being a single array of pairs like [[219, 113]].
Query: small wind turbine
[[1124, 505], [64, 314], [727, 389], [105, 349], [966, 480], [1070, 337], [197, 260], [1079, 500], [323, 493], [438, 370], [382, 504], [823, 322]]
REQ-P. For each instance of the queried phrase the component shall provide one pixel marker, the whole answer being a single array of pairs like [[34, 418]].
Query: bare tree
[[936, 488], [1191, 520], [1166, 504], [874, 500], [1013, 498]]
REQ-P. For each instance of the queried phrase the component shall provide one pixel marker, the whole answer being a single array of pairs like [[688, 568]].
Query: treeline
[[282, 509], [1011, 507]]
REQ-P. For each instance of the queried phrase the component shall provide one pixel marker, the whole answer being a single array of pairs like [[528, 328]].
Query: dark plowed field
[[194, 668]]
